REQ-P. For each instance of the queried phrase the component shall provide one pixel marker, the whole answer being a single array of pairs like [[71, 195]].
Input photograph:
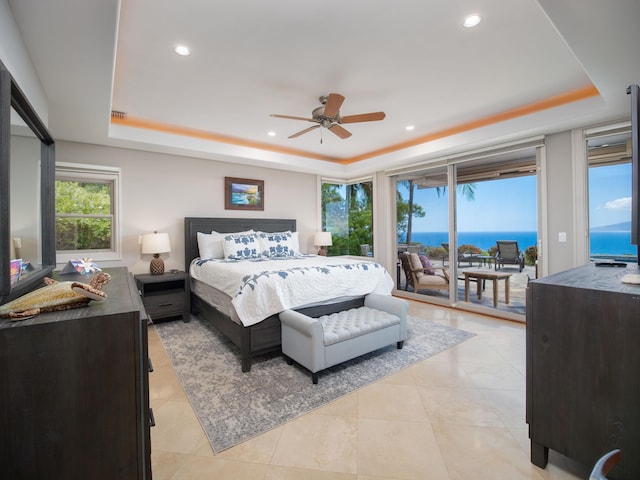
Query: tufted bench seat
[[319, 343]]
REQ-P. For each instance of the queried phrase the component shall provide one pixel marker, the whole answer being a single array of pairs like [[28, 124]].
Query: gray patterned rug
[[233, 406]]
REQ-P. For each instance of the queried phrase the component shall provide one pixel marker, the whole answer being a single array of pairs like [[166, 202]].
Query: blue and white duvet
[[261, 288]]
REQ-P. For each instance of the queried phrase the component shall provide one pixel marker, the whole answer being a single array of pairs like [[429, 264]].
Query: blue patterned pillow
[[241, 247], [277, 245]]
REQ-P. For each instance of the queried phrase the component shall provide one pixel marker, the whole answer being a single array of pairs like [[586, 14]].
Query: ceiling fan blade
[[363, 117], [302, 132], [339, 131], [292, 118], [334, 102]]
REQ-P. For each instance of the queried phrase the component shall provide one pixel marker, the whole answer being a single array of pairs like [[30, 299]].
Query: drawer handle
[[152, 420], [165, 304]]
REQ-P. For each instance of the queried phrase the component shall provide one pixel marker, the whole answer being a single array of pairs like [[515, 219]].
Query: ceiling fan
[[328, 116]]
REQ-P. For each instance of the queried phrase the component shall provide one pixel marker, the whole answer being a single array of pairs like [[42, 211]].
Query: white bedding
[[261, 288]]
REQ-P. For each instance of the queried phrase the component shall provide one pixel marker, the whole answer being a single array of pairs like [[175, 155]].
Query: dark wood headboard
[[193, 225]]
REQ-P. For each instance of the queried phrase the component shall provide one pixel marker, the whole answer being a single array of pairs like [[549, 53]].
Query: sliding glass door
[[492, 216]]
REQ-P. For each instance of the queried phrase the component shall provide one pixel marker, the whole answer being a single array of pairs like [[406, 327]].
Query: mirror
[[27, 201], [24, 207]]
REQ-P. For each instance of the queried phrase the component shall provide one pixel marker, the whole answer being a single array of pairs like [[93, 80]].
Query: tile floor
[[458, 415]]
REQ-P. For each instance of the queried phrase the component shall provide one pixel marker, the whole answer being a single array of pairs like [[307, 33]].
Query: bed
[[260, 336]]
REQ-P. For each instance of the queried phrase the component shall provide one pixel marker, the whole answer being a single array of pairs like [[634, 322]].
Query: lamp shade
[[156, 243], [322, 239]]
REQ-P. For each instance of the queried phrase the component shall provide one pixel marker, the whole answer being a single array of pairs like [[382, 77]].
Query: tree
[[83, 215], [406, 211], [347, 212]]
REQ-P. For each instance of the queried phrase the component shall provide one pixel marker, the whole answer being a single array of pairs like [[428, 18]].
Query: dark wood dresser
[[74, 390], [583, 367]]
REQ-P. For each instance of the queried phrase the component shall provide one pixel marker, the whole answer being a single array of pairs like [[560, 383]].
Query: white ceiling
[[411, 59]]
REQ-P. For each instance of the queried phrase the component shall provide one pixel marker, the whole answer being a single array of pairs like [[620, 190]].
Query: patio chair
[[463, 257], [420, 277], [365, 250], [508, 254]]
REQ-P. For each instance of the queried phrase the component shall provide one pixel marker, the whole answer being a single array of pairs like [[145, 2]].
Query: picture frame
[[243, 194]]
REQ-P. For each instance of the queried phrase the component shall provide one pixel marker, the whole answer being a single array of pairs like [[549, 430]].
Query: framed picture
[[243, 194]]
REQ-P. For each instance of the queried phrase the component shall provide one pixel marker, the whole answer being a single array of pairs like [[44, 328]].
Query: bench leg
[[400, 344], [314, 378], [288, 360]]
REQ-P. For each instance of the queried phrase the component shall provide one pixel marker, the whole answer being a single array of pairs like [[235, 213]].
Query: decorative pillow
[[427, 265], [277, 244], [241, 247], [416, 264], [210, 245]]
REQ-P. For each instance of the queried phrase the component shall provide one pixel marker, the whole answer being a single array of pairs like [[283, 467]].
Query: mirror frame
[[12, 96]]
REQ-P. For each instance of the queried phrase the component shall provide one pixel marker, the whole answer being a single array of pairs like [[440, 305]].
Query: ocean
[[602, 243]]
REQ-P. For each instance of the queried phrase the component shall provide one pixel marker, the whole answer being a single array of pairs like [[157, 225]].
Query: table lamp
[[322, 240], [156, 243]]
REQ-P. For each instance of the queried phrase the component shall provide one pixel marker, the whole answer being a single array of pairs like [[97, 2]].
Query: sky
[[499, 205], [510, 204], [609, 195]]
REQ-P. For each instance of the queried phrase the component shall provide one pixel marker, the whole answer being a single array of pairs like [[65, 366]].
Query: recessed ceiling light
[[409, 128], [472, 20], [182, 50], [272, 134]]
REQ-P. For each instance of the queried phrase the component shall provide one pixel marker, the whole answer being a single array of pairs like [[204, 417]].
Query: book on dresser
[[74, 402]]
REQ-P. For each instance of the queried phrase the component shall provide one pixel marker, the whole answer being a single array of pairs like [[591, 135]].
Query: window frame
[[102, 174], [367, 179]]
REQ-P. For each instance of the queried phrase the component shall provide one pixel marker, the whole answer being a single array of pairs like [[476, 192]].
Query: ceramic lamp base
[[157, 265]]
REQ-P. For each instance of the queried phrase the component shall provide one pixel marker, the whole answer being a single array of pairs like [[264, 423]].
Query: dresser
[[583, 367], [74, 390]]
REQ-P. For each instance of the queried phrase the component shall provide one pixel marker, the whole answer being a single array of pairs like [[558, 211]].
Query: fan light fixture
[[182, 50], [472, 20]]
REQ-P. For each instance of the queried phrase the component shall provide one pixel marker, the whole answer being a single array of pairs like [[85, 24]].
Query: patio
[[517, 283]]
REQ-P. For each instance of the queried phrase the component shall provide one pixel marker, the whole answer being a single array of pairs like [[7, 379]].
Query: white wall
[[159, 190], [560, 202]]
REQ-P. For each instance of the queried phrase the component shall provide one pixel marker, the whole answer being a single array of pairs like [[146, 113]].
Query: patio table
[[486, 275]]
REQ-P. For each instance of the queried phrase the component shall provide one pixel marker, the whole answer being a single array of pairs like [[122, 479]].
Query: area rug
[[233, 406]]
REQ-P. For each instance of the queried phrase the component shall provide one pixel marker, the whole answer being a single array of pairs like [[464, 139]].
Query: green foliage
[[83, 215], [531, 255], [347, 212]]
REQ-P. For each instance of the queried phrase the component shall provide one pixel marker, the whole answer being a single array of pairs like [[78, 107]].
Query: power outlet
[[562, 237]]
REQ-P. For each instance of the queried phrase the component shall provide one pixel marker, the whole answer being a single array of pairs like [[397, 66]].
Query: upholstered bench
[[319, 343]]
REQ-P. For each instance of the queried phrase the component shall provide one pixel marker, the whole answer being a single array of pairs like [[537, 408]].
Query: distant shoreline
[[602, 242]]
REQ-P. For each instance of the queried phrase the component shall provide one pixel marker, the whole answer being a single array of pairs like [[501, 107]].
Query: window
[[347, 212], [610, 196], [86, 212]]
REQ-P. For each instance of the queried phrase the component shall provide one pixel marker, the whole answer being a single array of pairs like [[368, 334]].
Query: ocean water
[[601, 243]]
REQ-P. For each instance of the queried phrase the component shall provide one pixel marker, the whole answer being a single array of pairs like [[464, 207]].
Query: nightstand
[[165, 295]]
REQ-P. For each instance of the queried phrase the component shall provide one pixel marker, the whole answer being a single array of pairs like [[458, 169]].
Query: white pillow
[[210, 245], [277, 244], [241, 247]]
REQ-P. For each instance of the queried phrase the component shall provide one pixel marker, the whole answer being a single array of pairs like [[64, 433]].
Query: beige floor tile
[[196, 468], [439, 374], [319, 442], [276, 472], [386, 401], [510, 405], [346, 406], [399, 449], [483, 453], [177, 428], [460, 406], [259, 449], [164, 465]]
